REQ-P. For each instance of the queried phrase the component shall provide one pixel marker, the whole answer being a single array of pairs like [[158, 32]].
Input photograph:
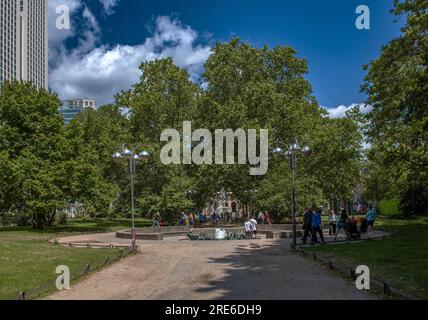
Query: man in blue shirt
[[371, 218], [316, 226]]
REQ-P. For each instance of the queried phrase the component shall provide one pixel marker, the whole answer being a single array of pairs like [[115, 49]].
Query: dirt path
[[182, 269]]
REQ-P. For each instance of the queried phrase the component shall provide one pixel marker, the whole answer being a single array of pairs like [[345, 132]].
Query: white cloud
[[340, 111], [87, 40], [102, 72], [109, 5], [57, 36], [91, 34]]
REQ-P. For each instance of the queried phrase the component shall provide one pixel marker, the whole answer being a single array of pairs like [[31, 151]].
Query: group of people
[[191, 219], [187, 219], [313, 226], [264, 218], [250, 224], [312, 223], [250, 228]]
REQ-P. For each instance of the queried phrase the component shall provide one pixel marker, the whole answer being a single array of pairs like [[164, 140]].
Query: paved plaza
[[177, 268]]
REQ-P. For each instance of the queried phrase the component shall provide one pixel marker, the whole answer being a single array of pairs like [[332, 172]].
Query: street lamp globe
[[278, 151], [117, 156], [144, 155], [126, 154], [306, 151], [294, 147]]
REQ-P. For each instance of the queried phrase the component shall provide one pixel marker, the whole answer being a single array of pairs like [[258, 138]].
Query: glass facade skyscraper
[[24, 41], [68, 111], [71, 108]]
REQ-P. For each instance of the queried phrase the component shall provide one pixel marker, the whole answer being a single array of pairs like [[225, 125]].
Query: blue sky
[[324, 32]]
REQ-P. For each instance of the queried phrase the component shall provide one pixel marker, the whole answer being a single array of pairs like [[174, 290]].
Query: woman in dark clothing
[[343, 224], [307, 224]]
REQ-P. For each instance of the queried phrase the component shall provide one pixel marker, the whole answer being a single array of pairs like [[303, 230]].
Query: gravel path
[[177, 268]]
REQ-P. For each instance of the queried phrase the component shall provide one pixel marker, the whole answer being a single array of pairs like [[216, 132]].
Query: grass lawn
[[402, 260], [28, 261]]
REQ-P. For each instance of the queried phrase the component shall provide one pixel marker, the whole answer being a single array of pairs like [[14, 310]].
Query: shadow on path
[[269, 270]]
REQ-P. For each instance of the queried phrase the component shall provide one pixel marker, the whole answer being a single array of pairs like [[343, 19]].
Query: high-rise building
[[71, 108], [24, 41]]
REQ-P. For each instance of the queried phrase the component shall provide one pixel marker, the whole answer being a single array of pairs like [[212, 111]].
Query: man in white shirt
[[254, 228], [248, 227]]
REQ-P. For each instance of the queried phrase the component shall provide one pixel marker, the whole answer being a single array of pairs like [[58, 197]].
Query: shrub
[[15, 219], [62, 218], [389, 207], [414, 198]]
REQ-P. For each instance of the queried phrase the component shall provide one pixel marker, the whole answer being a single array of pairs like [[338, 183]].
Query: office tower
[[24, 41], [71, 108]]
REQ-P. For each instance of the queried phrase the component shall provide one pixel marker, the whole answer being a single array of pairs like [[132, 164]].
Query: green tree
[[336, 156], [256, 88], [92, 137], [397, 88], [162, 99], [251, 87], [31, 141], [248, 88]]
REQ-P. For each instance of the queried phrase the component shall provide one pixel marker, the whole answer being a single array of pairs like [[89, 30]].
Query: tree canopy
[[397, 88], [45, 164]]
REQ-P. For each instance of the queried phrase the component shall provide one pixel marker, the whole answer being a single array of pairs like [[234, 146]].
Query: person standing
[[201, 218], [254, 227], [157, 220], [191, 220], [248, 229], [267, 218], [307, 224], [183, 218], [215, 218], [316, 226], [332, 221], [343, 224], [371, 218], [261, 218]]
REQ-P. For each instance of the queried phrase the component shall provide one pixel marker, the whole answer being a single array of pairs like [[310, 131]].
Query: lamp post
[[251, 194], [132, 158], [291, 155]]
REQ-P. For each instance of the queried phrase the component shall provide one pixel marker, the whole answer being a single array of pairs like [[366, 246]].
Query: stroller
[[353, 230]]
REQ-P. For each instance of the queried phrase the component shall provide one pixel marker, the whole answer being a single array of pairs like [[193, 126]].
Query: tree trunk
[[37, 221], [51, 218]]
